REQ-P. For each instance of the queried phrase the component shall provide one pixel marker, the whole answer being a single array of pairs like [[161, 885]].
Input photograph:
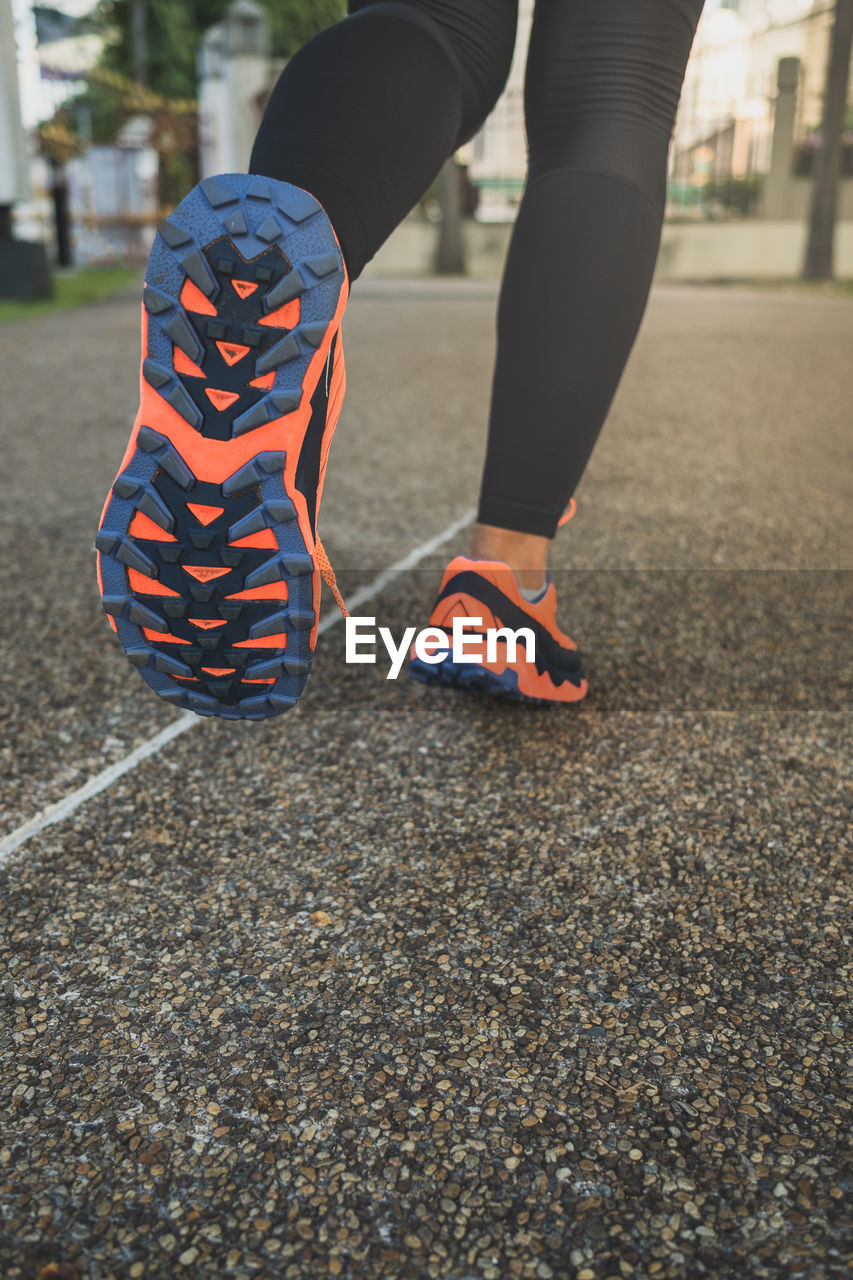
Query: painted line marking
[[62, 809]]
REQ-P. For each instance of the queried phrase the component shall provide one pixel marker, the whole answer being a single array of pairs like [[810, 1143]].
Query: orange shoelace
[[325, 566]]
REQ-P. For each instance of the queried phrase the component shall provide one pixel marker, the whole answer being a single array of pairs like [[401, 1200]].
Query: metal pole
[[819, 254], [139, 41], [450, 256], [59, 192]]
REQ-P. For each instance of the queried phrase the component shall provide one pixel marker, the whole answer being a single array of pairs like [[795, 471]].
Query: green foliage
[[173, 32], [94, 114], [736, 195], [294, 22], [72, 289]]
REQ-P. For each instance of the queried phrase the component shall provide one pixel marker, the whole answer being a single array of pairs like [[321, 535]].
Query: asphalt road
[[408, 982]]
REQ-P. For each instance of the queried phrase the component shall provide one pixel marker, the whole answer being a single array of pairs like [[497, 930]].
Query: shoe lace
[[324, 564], [568, 513]]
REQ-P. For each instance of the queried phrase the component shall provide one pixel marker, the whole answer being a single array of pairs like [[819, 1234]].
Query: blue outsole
[[472, 678]]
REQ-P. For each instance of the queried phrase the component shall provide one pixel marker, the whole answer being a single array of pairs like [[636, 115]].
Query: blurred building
[[113, 197], [725, 122], [234, 78], [57, 47], [497, 155], [14, 176], [112, 190]]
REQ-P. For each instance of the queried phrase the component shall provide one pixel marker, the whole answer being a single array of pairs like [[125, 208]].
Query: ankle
[[525, 553]]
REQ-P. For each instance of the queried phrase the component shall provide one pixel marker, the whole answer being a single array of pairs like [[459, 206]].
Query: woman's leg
[[365, 115], [602, 87], [216, 600]]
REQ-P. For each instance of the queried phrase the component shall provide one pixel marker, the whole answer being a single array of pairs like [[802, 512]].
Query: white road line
[[101, 781]]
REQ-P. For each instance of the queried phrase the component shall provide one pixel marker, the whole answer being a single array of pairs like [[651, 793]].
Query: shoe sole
[[206, 545], [475, 679], [471, 678]]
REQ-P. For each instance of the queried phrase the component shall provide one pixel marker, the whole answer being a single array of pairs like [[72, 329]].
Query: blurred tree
[[450, 252], [736, 196], [819, 252], [170, 35], [58, 144], [110, 100], [148, 67]]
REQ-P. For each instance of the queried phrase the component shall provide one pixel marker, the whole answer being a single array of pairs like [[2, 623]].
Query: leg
[[365, 114], [602, 87], [209, 559]]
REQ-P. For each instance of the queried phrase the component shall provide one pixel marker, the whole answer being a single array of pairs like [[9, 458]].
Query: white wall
[[750, 250]]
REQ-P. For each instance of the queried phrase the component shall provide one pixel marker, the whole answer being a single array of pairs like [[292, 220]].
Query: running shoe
[[487, 591], [208, 557]]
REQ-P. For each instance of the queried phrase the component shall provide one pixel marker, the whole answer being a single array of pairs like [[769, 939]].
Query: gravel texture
[[411, 983]]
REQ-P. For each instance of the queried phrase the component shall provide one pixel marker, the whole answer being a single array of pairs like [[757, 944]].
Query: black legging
[[365, 115]]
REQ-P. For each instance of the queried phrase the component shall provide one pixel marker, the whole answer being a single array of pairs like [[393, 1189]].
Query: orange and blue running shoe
[[487, 591], [208, 557]]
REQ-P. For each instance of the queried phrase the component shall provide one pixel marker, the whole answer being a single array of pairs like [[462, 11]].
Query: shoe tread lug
[[129, 554], [183, 335], [289, 287], [217, 192], [237, 224], [153, 506], [257, 416], [201, 539], [175, 608], [286, 401], [313, 333], [145, 617], [324, 265], [281, 353], [182, 403], [270, 571], [171, 666], [106, 539], [195, 266], [174, 235], [297, 204], [174, 466], [154, 374], [155, 301], [272, 462], [270, 230], [254, 522]]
